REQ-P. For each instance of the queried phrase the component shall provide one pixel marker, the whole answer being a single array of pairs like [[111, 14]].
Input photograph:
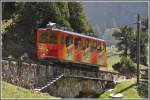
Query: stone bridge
[[70, 86], [74, 80]]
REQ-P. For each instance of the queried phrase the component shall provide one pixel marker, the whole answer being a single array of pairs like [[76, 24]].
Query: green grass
[[125, 88], [12, 91]]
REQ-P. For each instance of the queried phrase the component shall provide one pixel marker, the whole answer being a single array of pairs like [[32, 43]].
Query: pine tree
[[64, 10], [77, 18], [143, 44], [125, 37], [128, 42], [29, 16]]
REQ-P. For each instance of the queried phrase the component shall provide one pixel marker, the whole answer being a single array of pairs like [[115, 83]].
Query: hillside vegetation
[[12, 91], [22, 19]]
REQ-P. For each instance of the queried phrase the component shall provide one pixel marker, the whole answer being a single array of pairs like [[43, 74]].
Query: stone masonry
[[28, 75], [71, 86]]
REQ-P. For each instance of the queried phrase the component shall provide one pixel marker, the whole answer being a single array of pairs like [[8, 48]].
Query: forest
[[21, 21]]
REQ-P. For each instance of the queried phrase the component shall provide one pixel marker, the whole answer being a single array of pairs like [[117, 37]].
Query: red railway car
[[70, 46]]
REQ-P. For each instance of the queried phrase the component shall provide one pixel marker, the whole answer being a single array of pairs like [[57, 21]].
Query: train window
[[85, 44], [53, 38], [44, 37], [77, 42], [93, 46], [102, 46], [99, 48], [69, 40], [62, 39]]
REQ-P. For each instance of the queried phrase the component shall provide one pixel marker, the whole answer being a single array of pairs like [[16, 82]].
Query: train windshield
[[53, 38], [44, 38]]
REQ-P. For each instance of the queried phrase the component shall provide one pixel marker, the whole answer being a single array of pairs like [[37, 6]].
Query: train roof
[[74, 33]]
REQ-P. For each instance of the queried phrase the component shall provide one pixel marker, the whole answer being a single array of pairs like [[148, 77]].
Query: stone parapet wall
[[29, 75], [21, 74]]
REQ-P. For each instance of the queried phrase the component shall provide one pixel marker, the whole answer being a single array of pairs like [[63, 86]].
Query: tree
[[125, 37], [143, 44], [8, 9], [77, 18], [63, 7], [28, 16], [126, 66], [128, 42], [143, 86]]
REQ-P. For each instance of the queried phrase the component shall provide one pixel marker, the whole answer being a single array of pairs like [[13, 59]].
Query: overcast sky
[[109, 13]]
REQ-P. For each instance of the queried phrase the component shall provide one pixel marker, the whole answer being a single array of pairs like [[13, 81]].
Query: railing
[[50, 82]]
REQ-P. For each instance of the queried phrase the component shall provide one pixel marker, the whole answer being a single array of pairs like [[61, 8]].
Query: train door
[[78, 48], [100, 53], [53, 46], [93, 52], [69, 47], [86, 50], [42, 43], [62, 45], [104, 57]]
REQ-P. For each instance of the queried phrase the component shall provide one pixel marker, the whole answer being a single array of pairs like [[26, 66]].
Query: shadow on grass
[[126, 88], [122, 89]]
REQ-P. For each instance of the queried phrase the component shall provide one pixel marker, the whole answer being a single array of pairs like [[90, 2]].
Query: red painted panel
[[94, 57], [58, 50], [78, 55]]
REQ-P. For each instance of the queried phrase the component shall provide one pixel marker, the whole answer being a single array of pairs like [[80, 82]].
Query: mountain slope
[[108, 14]]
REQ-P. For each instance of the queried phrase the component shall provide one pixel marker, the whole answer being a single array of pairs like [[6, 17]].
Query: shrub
[[143, 89], [125, 66]]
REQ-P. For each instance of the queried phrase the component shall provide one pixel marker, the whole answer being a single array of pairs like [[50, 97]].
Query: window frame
[[62, 39], [78, 42], [85, 43], [43, 41], [99, 49], [93, 46], [55, 40], [67, 40]]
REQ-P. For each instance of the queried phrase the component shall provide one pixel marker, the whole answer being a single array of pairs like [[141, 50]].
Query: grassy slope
[[11, 91], [128, 93]]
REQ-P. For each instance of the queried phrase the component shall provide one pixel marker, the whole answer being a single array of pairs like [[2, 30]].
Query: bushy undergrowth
[[126, 66], [143, 89]]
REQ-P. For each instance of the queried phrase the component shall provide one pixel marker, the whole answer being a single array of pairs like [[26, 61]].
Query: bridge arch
[[88, 93]]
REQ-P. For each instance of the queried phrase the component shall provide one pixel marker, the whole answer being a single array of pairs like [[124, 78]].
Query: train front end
[[47, 46]]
